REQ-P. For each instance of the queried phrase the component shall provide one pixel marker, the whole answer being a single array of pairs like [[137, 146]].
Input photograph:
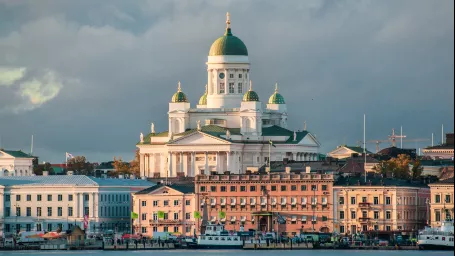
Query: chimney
[[69, 173], [308, 169], [45, 173], [288, 169]]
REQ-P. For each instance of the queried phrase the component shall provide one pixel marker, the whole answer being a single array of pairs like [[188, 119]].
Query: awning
[[304, 200], [304, 218], [213, 219], [261, 214], [233, 201], [294, 218], [233, 218], [243, 218]]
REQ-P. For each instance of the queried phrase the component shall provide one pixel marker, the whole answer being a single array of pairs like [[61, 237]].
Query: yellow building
[[379, 205], [441, 201]]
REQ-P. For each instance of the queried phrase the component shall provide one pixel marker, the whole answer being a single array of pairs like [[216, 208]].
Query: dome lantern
[[250, 95], [179, 96], [228, 44]]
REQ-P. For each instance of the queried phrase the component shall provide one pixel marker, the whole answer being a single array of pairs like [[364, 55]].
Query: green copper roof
[[203, 99], [228, 45], [276, 98], [179, 96], [250, 96], [17, 153]]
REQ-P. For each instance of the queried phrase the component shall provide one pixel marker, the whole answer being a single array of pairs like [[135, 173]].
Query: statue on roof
[[141, 137], [228, 134], [152, 128], [171, 135], [304, 125], [295, 136], [198, 125]]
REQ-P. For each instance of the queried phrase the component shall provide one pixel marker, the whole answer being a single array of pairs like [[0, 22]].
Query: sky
[[87, 77]]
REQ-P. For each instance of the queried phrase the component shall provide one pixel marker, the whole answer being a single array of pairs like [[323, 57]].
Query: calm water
[[226, 252]]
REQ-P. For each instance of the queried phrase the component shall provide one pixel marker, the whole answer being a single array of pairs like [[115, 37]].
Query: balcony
[[362, 220], [364, 205]]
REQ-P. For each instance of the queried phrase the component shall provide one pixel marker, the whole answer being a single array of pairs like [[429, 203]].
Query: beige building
[[441, 201], [15, 163], [177, 204], [379, 205]]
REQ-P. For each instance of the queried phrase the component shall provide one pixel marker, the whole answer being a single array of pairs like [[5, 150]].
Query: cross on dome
[[276, 87], [179, 88], [228, 20], [251, 85]]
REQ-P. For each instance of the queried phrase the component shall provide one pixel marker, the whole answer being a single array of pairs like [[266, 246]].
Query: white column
[[206, 163], [235, 168], [169, 174], [228, 161], [81, 205], [186, 170], [92, 204], [96, 205], [151, 165], [2, 211], [162, 165], [193, 164], [181, 162], [141, 164], [217, 165]]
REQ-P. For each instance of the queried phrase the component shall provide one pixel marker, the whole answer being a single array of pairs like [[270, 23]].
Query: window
[[155, 229], [376, 227], [70, 198], [242, 188], [388, 215], [388, 228], [342, 200], [49, 198], [60, 198], [342, 230], [166, 216], [303, 188], [252, 188], [144, 216], [176, 229], [187, 202], [187, 229], [314, 187], [233, 188], [263, 188], [144, 203], [86, 210], [176, 202], [70, 211], [240, 75], [29, 211], [353, 215], [7, 211], [376, 215], [293, 188], [49, 227], [18, 197], [448, 199], [166, 203], [438, 216], [376, 200], [187, 215], [341, 215], [364, 199], [222, 88], [364, 214], [49, 211], [144, 229], [18, 211], [324, 187], [29, 197], [59, 211], [365, 228], [212, 188], [38, 211], [388, 200], [283, 188], [155, 203], [7, 228], [231, 87], [353, 200], [223, 189], [166, 229], [231, 75], [240, 87], [437, 199], [176, 216], [202, 189], [273, 188]]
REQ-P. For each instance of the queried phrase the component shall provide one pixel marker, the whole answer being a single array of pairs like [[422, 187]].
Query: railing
[[257, 177], [364, 205], [364, 219]]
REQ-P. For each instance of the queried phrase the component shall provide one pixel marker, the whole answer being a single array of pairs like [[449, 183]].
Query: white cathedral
[[229, 130]]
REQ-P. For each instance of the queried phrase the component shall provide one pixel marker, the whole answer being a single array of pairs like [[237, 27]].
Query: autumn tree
[[80, 166], [382, 168], [417, 169], [120, 166], [134, 164], [40, 168], [400, 166]]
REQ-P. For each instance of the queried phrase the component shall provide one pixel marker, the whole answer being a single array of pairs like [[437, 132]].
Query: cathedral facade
[[229, 130]]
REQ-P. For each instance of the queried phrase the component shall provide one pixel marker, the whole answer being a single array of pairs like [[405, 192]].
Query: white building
[[49, 202], [15, 163], [229, 129]]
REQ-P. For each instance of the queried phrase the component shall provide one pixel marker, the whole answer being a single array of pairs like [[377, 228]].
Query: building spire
[[251, 85], [276, 87], [179, 88], [228, 20]]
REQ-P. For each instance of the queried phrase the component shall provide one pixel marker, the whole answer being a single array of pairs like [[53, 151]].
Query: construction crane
[[377, 142], [393, 139]]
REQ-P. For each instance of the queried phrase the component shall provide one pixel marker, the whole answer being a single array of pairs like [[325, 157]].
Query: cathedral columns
[[206, 171], [217, 165], [185, 164], [151, 165], [228, 161], [170, 160], [193, 164], [141, 164], [181, 162]]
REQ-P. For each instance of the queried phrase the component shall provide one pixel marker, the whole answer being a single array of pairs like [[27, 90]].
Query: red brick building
[[277, 202]]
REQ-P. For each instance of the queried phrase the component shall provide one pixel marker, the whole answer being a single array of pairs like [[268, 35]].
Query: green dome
[[251, 95], [179, 96], [228, 45], [276, 98], [203, 99]]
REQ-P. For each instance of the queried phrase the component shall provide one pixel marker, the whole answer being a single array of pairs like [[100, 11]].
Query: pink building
[[176, 202], [286, 203]]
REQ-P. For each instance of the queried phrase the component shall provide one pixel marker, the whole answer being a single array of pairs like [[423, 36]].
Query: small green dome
[[179, 96], [228, 44], [203, 99], [251, 95], [276, 98]]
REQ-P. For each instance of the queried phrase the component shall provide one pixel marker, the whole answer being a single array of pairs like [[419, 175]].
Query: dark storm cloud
[[118, 63]]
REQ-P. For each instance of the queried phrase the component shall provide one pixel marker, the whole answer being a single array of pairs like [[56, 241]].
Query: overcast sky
[[86, 77]]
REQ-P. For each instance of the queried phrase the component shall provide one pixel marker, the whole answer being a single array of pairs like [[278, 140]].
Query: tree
[[80, 166], [120, 166], [400, 166], [417, 169], [40, 168], [134, 164], [382, 167]]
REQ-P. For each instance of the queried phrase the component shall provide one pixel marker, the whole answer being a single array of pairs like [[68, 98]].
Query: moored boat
[[437, 238]]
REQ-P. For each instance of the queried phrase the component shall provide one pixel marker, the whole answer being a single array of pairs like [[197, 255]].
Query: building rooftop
[[377, 181], [446, 181], [17, 153], [184, 188], [78, 180]]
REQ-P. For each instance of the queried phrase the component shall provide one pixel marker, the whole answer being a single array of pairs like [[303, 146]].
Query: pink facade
[[177, 202], [304, 201]]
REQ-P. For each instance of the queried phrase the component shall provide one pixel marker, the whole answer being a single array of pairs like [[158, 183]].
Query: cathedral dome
[[276, 98], [203, 99], [179, 96], [250, 95], [228, 44]]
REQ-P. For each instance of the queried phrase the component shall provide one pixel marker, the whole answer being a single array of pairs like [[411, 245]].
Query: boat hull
[[435, 247], [218, 246]]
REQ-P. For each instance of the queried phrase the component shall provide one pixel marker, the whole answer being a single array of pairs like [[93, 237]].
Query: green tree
[[134, 164], [417, 169], [80, 166], [383, 167], [120, 166], [39, 168]]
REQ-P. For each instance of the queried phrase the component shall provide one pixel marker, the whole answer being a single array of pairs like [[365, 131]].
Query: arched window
[[176, 125]]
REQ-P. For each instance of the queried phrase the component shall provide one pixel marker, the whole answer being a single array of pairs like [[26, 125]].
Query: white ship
[[437, 238], [216, 237]]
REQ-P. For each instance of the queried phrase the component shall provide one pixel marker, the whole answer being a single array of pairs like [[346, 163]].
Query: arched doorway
[[263, 224], [325, 230]]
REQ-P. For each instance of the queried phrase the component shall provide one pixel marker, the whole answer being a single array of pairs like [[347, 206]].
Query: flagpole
[[364, 145], [270, 150]]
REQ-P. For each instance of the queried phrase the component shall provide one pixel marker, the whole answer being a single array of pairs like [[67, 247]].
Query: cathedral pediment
[[309, 140], [198, 138]]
